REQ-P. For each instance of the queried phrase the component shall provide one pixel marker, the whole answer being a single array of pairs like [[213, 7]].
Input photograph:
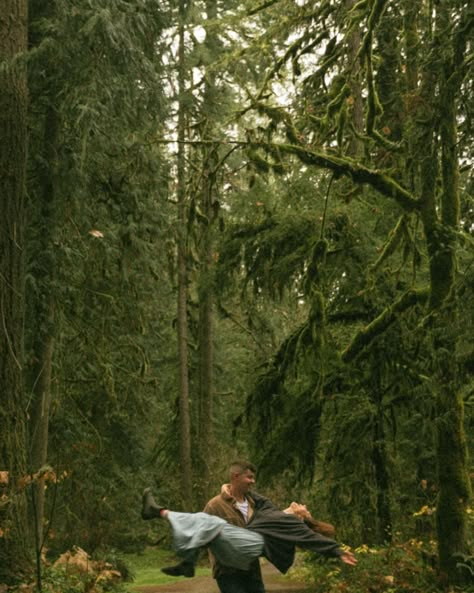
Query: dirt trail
[[274, 583]]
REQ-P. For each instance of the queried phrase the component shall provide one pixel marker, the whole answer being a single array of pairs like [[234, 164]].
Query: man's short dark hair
[[239, 466]]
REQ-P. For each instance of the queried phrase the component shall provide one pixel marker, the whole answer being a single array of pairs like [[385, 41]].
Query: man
[[236, 505], [271, 533]]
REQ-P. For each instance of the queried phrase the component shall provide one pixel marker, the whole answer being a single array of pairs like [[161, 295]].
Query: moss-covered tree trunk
[[43, 317], [183, 379], [453, 478], [355, 148], [383, 533], [13, 150], [206, 347], [210, 157], [441, 222]]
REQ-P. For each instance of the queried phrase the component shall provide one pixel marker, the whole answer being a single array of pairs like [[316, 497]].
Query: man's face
[[243, 482]]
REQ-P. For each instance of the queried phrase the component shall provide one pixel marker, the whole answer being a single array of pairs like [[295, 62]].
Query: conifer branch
[[368, 333], [339, 165], [359, 174], [291, 53], [394, 238], [374, 107], [372, 22], [263, 6]]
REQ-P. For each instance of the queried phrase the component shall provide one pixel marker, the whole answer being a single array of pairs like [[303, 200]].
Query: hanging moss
[[317, 324], [365, 336], [341, 126], [273, 253], [382, 182], [318, 260], [334, 105], [394, 240], [282, 409]]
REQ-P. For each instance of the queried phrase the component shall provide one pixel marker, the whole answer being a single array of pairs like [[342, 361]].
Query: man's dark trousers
[[240, 582]]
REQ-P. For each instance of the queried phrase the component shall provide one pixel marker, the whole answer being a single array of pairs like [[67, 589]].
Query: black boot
[[183, 569], [150, 510]]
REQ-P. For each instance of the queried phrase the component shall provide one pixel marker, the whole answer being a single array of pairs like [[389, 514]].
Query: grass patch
[[145, 568]]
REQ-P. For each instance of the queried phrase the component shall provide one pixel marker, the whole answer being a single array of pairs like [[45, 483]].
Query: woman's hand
[[299, 510], [348, 558]]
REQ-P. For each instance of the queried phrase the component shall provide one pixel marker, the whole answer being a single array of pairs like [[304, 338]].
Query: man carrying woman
[[238, 526]]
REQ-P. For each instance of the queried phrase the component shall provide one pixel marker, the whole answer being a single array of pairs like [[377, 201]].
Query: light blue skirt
[[233, 546]]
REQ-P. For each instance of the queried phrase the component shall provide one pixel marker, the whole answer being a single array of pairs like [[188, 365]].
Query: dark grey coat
[[283, 533]]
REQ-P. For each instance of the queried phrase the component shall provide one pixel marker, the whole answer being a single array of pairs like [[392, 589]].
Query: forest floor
[[274, 583]]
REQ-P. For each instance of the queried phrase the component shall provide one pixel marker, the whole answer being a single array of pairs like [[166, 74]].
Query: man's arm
[[261, 501]]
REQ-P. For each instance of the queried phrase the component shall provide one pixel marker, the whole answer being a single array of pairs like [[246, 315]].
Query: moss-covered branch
[[373, 20], [290, 54], [262, 7], [394, 239], [380, 181], [368, 333], [359, 174]]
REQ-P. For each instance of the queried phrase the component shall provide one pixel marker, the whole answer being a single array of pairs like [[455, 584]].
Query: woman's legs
[[150, 510], [186, 568], [233, 546], [191, 531]]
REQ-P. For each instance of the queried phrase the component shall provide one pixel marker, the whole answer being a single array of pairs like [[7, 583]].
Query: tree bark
[[205, 432], [206, 350], [440, 225], [13, 151], [382, 479], [184, 413], [44, 319], [355, 148]]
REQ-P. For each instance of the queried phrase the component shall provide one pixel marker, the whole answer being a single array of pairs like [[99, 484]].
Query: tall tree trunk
[[355, 106], [44, 319], [13, 150], [205, 341], [355, 148], [440, 229], [454, 483], [205, 430], [382, 479], [184, 413], [388, 77], [411, 41]]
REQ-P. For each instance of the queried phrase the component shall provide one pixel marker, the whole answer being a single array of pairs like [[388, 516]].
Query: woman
[[271, 533]]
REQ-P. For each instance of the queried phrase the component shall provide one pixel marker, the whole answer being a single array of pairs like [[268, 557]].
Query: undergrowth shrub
[[406, 567]]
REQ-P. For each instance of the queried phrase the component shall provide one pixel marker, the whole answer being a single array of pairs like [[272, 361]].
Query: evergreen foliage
[[98, 208], [383, 82], [296, 175]]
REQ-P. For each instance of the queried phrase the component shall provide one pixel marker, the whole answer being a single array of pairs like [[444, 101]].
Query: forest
[[238, 229]]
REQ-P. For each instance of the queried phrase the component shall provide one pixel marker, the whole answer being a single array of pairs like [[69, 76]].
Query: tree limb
[[359, 174], [368, 333]]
